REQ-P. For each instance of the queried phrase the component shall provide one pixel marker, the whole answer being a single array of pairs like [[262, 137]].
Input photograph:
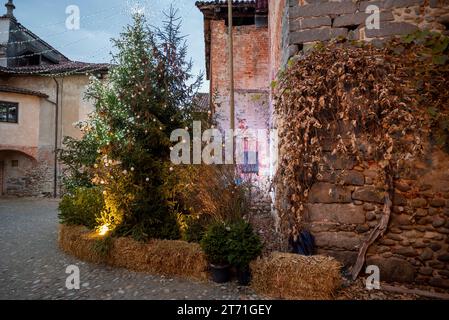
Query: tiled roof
[[22, 91], [202, 102], [234, 2], [40, 40], [53, 62], [73, 67], [260, 5]]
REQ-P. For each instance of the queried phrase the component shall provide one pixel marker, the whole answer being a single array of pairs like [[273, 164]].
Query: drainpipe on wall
[[55, 173]]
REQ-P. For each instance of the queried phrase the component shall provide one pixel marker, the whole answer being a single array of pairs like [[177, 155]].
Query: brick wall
[[252, 108], [250, 57]]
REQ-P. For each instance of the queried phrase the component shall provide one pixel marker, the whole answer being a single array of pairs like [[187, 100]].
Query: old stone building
[[267, 34], [41, 98]]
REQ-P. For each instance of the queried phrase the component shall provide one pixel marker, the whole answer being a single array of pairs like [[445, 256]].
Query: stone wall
[[310, 21], [346, 205], [32, 174]]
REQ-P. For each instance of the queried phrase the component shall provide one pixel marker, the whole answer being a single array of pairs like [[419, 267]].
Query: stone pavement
[[33, 267]]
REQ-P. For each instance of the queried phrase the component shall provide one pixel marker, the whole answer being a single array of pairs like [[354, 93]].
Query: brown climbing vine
[[356, 101]]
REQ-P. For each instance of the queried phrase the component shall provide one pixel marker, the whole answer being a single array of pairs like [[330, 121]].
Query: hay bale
[[186, 259], [78, 241], [128, 253], [164, 257], [296, 277]]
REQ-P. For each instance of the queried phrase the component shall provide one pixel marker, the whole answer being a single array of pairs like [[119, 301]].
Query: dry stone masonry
[[310, 21], [344, 206]]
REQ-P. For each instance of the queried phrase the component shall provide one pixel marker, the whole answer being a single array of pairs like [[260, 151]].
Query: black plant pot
[[220, 274], [243, 276]]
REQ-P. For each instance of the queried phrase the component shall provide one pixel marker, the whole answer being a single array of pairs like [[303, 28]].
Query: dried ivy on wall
[[353, 100]]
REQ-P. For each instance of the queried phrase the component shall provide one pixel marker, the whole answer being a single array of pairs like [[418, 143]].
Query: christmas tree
[[126, 145]]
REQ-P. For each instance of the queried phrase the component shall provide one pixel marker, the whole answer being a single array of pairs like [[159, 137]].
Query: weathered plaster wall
[[252, 108], [73, 107], [30, 144], [26, 131], [33, 139], [32, 176]]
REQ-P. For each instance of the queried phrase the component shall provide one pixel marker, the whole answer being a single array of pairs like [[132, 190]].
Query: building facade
[[41, 99], [267, 34]]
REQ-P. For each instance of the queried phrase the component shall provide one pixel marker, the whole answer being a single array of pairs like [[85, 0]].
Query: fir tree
[[146, 96]]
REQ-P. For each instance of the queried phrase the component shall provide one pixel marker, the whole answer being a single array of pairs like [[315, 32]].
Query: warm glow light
[[103, 230]]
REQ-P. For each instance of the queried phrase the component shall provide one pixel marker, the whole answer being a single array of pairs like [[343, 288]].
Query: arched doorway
[[15, 167]]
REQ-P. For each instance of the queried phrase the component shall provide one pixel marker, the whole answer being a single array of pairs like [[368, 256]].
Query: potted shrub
[[215, 246], [244, 245]]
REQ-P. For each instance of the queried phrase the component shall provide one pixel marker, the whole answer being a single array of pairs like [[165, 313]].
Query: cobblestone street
[[33, 267]]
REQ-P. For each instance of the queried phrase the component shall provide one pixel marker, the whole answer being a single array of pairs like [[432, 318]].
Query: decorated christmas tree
[[125, 149]]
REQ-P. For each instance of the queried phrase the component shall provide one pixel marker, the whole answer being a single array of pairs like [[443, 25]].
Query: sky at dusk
[[101, 20]]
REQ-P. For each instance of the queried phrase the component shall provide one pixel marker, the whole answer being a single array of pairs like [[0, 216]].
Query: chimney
[[10, 9]]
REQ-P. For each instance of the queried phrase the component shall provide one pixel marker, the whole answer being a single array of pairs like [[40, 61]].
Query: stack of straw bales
[[164, 257]]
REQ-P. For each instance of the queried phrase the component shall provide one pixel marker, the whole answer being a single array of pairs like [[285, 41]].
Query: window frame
[[8, 105], [247, 168]]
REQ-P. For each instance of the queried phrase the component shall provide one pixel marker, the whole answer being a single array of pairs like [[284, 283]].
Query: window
[[251, 162], [9, 112], [251, 159], [14, 163]]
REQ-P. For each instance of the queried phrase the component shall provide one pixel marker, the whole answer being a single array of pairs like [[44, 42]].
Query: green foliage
[[215, 243], [244, 244], [78, 156], [235, 243], [81, 207], [194, 227]]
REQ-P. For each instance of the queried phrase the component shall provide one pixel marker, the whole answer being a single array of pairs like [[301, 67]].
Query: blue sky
[[102, 20]]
